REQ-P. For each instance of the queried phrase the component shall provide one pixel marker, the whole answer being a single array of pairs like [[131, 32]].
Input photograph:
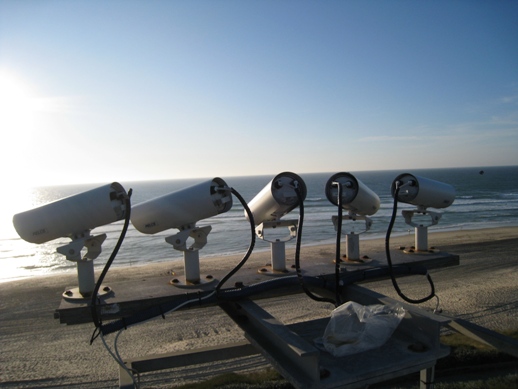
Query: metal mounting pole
[[277, 245], [278, 255], [352, 246], [421, 238], [421, 231], [191, 260], [352, 239]]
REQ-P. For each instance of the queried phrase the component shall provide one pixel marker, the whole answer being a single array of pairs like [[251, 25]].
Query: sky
[[102, 91]]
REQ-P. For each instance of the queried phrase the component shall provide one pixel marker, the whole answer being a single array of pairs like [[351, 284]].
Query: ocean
[[485, 197]]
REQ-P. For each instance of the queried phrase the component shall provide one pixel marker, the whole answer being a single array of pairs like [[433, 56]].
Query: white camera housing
[[423, 192], [360, 201], [356, 196], [72, 215], [183, 208], [277, 198]]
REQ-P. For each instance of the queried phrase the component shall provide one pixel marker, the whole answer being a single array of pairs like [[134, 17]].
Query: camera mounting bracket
[[354, 217], [277, 245], [191, 254], [421, 230], [85, 264]]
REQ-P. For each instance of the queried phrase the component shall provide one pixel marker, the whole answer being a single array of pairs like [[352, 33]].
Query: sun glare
[[18, 108], [18, 105]]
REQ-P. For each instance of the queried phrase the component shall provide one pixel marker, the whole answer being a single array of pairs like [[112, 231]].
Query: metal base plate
[[355, 262], [412, 250], [181, 282], [73, 293], [268, 270]]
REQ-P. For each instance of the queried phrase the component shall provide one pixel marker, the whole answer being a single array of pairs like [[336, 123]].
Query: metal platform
[[291, 350], [414, 346]]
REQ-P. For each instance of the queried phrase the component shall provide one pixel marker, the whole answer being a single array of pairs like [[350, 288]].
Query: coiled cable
[[389, 259]]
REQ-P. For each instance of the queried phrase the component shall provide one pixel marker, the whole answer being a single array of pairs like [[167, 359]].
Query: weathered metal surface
[[128, 297]]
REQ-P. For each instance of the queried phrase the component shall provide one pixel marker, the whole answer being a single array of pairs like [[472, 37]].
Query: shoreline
[[367, 243], [37, 351]]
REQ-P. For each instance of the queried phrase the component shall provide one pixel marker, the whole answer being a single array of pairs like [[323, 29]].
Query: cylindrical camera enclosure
[[182, 208], [72, 215], [423, 192], [356, 196], [277, 198]]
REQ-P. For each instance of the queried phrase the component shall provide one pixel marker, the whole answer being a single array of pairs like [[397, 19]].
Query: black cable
[[93, 303], [252, 240], [235, 294], [338, 244], [389, 259], [155, 311], [225, 295], [297, 252], [239, 293], [160, 309]]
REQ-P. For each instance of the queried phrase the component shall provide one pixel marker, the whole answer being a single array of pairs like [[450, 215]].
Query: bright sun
[[16, 104], [17, 108], [29, 132], [20, 110]]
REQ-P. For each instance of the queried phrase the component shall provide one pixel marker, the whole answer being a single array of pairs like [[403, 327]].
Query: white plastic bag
[[354, 328]]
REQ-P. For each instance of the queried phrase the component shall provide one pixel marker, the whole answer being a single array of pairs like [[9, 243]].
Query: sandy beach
[[38, 351]]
